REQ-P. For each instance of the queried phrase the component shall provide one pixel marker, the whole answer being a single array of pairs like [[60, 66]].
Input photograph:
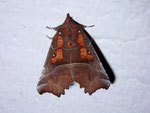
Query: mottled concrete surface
[[122, 31]]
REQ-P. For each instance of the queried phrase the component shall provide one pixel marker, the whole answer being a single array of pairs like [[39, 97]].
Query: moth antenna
[[89, 26], [54, 28], [49, 37]]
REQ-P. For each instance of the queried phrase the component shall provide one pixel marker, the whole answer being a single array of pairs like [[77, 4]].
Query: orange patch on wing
[[59, 42], [90, 57], [59, 54], [80, 40], [53, 60], [83, 53]]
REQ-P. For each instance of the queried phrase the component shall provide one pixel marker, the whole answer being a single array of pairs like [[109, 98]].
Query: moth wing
[[91, 76], [104, 61], [55, 82], [54, 79]]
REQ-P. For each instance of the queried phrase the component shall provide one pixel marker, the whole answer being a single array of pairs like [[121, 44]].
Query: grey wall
[[122, 31]]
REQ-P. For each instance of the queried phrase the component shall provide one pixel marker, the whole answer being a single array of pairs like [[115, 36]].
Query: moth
[[72, 58]]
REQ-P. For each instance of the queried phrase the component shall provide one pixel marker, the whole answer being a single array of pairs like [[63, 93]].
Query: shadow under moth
[[72, 57]]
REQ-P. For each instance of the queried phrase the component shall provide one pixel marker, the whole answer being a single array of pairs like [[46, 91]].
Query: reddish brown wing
[[71, 58]]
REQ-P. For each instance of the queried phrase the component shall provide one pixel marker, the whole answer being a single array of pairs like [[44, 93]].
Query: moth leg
[[54, 28], [49, 37], [88, 26]]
